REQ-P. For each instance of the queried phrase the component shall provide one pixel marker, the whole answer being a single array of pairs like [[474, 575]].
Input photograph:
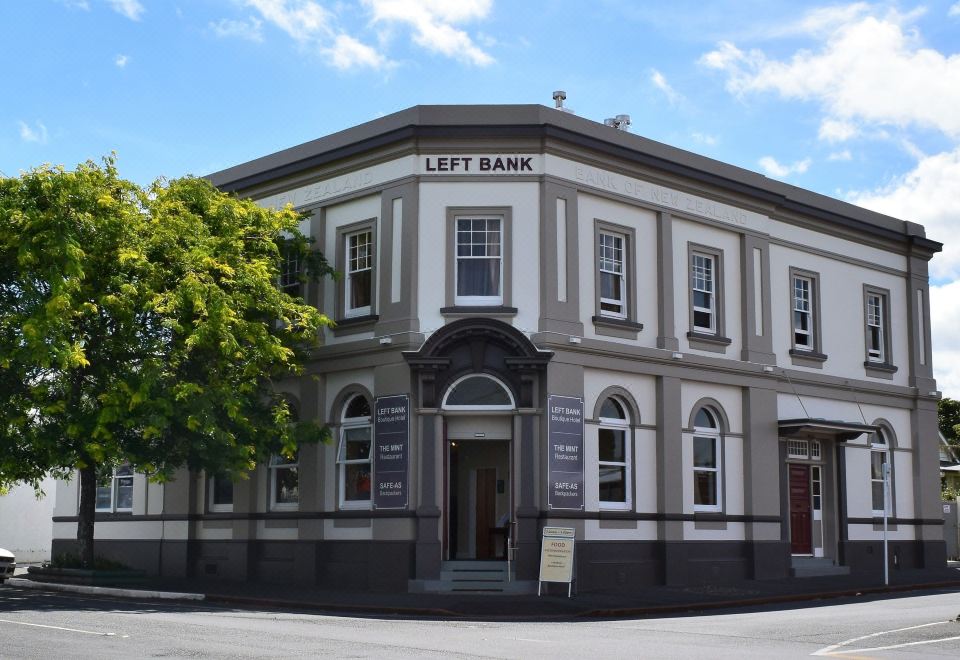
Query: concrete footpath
[[554, 604]]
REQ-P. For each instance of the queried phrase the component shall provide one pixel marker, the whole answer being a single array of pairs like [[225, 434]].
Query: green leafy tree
[[144, 326], [948, 418]]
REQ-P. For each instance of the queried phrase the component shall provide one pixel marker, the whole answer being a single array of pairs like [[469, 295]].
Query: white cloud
[[770, 165], [928, 195], [705, 138], [121, 60], [660, 82], [347, 53], [315, 28], [31, 134], [841, 155], [944, 320], [954, 9], [834, 130], [433, 24], [229, 28], [303, 20], [869, 69], [131, 9]]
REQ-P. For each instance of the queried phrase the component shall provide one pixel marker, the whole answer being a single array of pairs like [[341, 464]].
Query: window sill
[[611, 327], [880, 369], [705, 342], [812, 359], [353, 325], [479, 310]]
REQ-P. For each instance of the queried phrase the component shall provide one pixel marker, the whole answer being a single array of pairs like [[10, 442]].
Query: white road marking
[[832, 649], [40, 625], [898, 646]]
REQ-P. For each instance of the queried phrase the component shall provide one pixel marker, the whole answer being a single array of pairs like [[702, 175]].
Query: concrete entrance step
[[468, 576], [816, 567]]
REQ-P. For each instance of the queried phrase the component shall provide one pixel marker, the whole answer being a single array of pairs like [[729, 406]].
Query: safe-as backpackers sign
[[565, 465], [391, 434]]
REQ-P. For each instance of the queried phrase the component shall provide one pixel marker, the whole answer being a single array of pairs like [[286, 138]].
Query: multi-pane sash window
[[479, 261], [816, 488], [704, 299], [706, 462], [353, 454], [284, 483], [221, 493], [359, 280], [613, 463], [803, 313], [613, 289], [879, 455], [290, 273], [875, 339], [115, 490]]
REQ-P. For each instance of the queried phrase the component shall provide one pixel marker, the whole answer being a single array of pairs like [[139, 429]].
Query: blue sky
[[860, 101]]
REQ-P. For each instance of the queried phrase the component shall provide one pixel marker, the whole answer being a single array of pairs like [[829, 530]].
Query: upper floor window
[[613, 285], [703, 292], [353, 454], [803, 334], [707, 462], [284, 482], [358, 283], [613, 455], [876, 312], [115, 490], [290, 273], [479, 261]]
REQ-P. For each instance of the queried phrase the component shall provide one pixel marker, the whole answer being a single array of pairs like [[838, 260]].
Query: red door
[[800, 510]]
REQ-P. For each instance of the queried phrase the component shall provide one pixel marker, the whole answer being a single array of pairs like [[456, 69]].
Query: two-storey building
[[543, 320]]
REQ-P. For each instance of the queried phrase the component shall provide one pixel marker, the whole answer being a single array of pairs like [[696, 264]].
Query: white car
[[7, 564]]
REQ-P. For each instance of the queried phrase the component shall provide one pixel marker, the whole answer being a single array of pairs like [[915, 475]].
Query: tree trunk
[[85, 517]]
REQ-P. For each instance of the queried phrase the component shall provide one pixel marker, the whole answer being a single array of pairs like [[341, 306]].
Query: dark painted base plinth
[[867, 556]]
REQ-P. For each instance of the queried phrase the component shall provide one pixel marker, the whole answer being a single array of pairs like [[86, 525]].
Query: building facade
[[543, 320]]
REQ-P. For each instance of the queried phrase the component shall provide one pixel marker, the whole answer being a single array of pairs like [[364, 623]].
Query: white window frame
[[290, 277], [613, 267], [713, 435], [278, 463], [797, 448], [875, 321], [470, 299], [349, 269], [803, 305], [347, 424], [708, 287], [115, 490], [508, 406], [620, 426], [883, 449], [212, 505]]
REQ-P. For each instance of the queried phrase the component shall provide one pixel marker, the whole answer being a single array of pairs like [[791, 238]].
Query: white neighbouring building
[[544, 320]]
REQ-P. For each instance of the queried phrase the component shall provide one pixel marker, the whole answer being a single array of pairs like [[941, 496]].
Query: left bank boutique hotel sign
[[565, 435], [391, 439]]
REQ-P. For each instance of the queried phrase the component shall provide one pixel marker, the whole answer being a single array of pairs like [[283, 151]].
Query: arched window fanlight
[[611, 409], [704, 419], [478, 392]]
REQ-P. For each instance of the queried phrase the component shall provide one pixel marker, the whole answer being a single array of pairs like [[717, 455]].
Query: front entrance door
[[478, 499], [800, 510]]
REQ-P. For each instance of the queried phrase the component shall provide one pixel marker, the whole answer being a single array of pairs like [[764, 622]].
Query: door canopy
[[478, 346]]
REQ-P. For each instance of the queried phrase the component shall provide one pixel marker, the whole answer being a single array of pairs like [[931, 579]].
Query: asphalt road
[[46, 625]]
